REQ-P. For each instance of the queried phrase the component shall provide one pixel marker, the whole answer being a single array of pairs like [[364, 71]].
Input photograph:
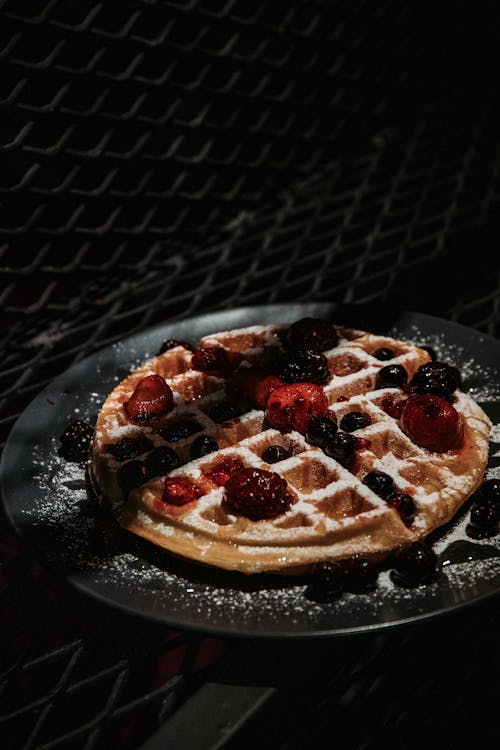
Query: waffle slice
[[334, 515]]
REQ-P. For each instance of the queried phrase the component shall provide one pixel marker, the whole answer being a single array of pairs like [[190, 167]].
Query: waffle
[[334, 514]]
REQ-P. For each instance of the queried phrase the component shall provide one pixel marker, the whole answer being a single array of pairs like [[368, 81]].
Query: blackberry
[[384, 354], [171, 343], [179, 430], [414, 565], [313, 334], [354, 420], [320, 430], [436, 378], [161, 460], [75, 440], [132, 475], [303, 366], [379, 483], [275, 453], [341, 447], [327, 582], [127, 448], [202, 446], [223, 411], [391, 376], [360, 576], [404, 504]]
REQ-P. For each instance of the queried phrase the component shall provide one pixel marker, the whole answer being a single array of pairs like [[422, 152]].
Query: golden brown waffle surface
[[334, 515]]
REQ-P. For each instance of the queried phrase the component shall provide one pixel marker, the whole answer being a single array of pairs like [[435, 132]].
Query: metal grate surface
[[161, 158]]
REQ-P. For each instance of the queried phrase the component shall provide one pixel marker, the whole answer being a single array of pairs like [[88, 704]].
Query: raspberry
[[275, 453], [179, 491], [151, 399], [391, 376], [404, 504], [211, 358], [254, 384], [75, 440], [127, 448], [171, 343], [290, 407], [302, 367], [202, 446], [258, 494], [354, 420], [433, 423], [223, 468], [312, 333], [415, 564], [436, 378], [320, 430]]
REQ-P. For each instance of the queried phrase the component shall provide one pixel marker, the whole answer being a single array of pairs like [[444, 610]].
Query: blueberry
[[320, 430], [383, 354], [430, 351], [354, 420], [127, 448], [171, 343], [379, 483], [490, 490], [180, 430], [132, 474], [275, 453], [202, 446], [414, 565], [341, 447], [326, 582], [391, 376], [161, 460], [484, 517], [223, 411], [404, 504], [360, 576]]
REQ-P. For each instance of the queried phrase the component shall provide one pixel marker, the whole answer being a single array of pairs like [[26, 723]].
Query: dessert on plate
[[278, 447]]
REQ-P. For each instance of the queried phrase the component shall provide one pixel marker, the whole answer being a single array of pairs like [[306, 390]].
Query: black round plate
[[49, 502]]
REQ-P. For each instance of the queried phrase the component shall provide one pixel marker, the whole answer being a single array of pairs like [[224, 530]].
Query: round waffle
[[334, 515]]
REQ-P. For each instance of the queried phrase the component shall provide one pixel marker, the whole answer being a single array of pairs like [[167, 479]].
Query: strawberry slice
[[432, 423], [151, 399], [290, 407], [254, 384]]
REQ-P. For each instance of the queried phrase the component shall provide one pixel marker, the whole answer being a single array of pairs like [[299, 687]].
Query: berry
[[180, 430], [202, 446], [354, 420], [161, 460], [75, 440], [484, 517], [127, 448], [430, 351], [151, 399], [327, 582], [490, 490], [384, 354], [320, 430], [171, 343], [393, 406], [342, 448], [302, 366], [379, 483], [312, 333], [258, 494], [290, 407], [360, 576], [132, 475], [179, 491], [211, 358], [404, 504], [275, 453], [223, 411], [254, 384], [415, 564], [223, 468], [391, 376], [433, 423], [437, 378]]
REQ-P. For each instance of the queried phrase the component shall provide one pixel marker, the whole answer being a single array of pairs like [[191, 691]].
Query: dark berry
[[180, 491], [327, 582], [320, 430], [391, 376], [202, 446], [75, 440], [360, 576], [161, 460], [171, 343], [223, 468], [484, 517], [437, 378], [354, 420], [127, 448], [151, 399], [432, 422], [490, 490], [211, 358], [312, 333], [430, 351], [342, 448], [179, 430], [132, 474], [273, 454], [302, 366], [414, 565], [258, 494], [290, 407], [379, 483], [223, 411], [405, 506], [384, 354]]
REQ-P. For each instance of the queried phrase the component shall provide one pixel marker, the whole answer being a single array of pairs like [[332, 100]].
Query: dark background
[[164, 158]]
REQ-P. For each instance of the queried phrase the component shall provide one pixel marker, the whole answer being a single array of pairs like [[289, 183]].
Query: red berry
[[211, 358], [258, 494], [223, 468], [290, 407], [180, 491], [151, 399], [432, 422], [254, 384], [312, 333]]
